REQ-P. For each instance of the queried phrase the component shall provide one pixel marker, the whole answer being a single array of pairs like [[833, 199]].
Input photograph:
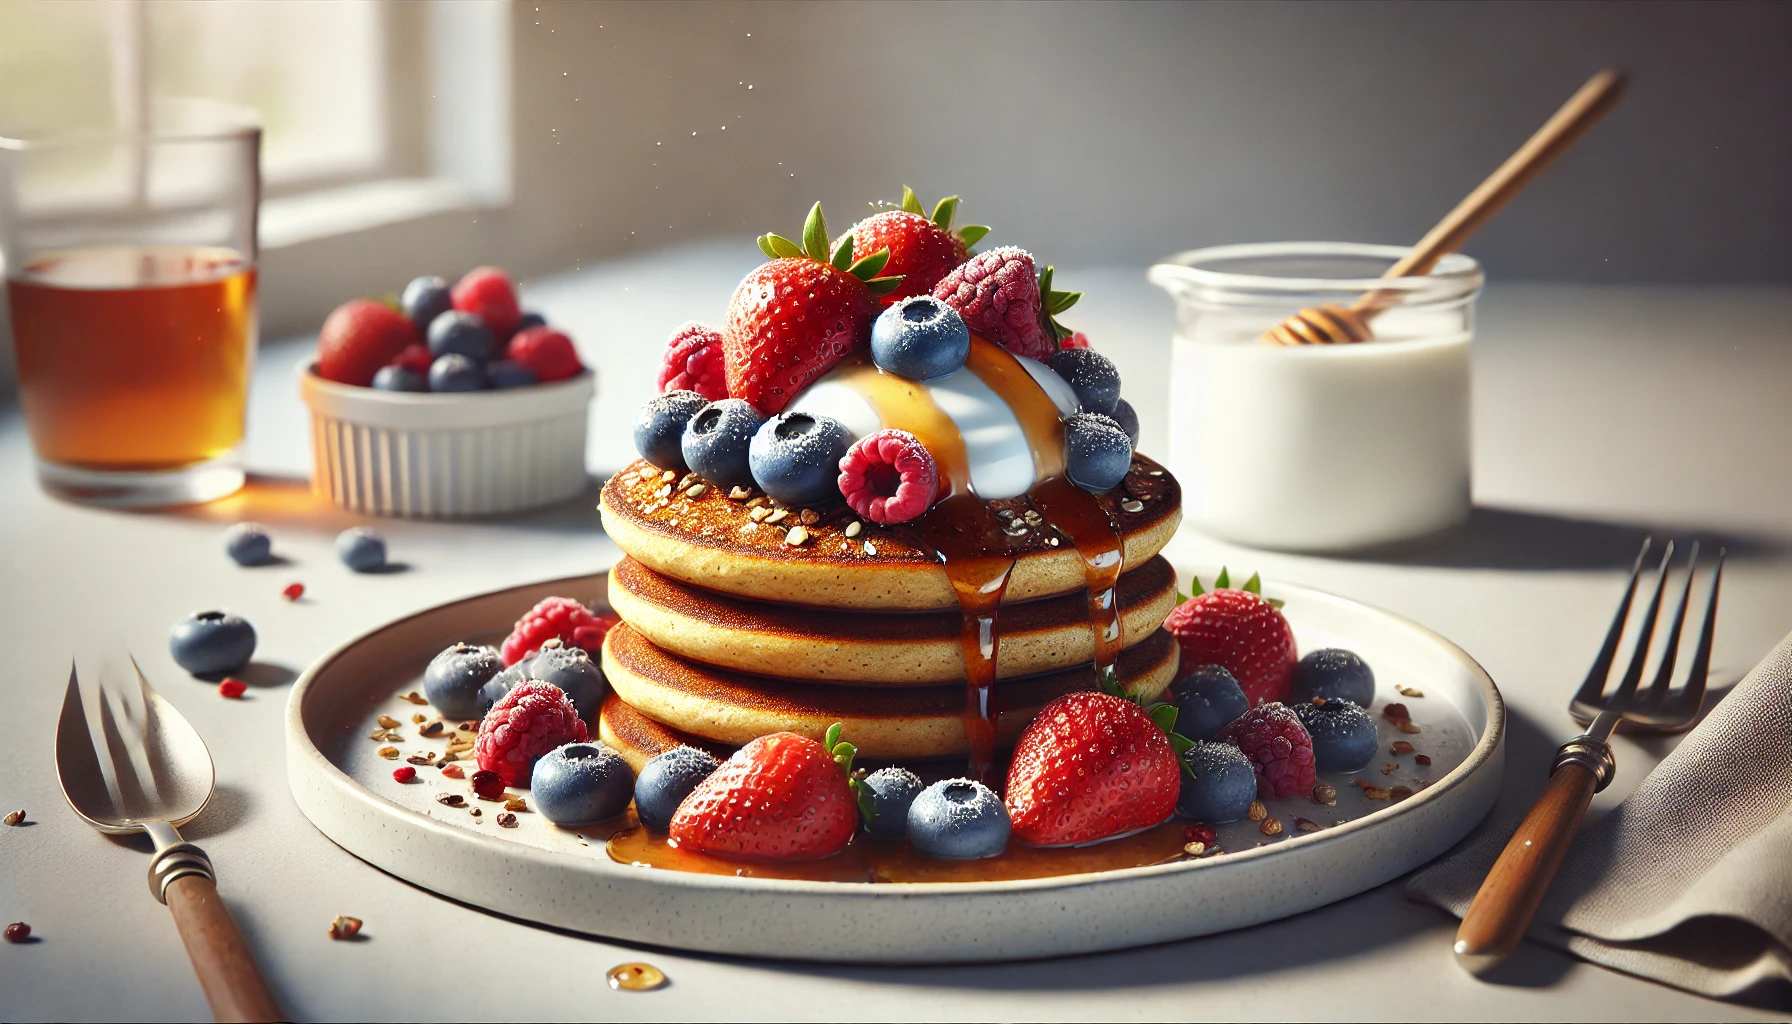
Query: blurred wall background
[[1092, 133]]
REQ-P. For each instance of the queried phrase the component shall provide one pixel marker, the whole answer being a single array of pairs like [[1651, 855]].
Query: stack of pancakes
[[741, 618]]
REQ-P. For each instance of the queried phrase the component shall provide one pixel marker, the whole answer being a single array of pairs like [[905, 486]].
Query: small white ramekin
[[450, 455]]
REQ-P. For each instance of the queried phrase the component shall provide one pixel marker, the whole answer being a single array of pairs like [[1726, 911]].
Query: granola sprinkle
[[1271, 827], [1307, 825], [1258, 812], [345, 927], [15, 817], [1422, 759], [506, 820], [389, 753], [1401, 747], [1325, 793], [387, 722]]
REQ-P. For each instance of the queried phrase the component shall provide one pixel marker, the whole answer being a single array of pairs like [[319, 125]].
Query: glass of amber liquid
[[130, 263]]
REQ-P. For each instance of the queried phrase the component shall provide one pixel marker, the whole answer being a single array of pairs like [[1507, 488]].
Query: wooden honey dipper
[[1331, 324]]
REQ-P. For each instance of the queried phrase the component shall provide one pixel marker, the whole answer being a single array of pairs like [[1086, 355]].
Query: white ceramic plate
[[558, 877]]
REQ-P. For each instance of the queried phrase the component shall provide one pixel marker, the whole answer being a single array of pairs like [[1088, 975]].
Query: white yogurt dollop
[[996, 448]]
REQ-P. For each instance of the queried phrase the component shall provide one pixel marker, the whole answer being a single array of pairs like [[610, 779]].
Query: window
[[348, 92]]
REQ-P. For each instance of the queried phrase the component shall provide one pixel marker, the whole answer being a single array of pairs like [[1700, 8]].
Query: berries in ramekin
[[547, 353], [487, 293], [359, 338]]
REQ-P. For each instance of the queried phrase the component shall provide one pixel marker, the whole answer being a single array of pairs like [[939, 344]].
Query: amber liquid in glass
[[134, 358]]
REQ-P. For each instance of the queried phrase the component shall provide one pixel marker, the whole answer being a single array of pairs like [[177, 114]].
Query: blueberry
[[795, 458], [1222, 787], [462, 334], [399, 378], [361, 549], [920, 338], [500, 685], [581, 783], [659, 427], [424, 299], [507, 373], [1343, 734], [1128, 420], [572, 670], [1207, 700], [209, 642], [716, 440], [454, 678], [666, 780], [248, 544], [455, 373], [958, 820], [1097, 453], [1092, 376], [528, 320], [893, 791], [1333, 673]]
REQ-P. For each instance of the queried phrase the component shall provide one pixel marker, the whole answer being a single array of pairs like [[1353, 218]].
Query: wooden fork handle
[[1496, 921], [221, 958]]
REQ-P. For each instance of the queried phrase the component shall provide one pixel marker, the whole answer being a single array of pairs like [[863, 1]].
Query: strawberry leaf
[[1274, 602], [911, 203], [815, 235], [1182, 598], [842, 258], [869, 267], [972, 234], [1222, 581], [1164, 715], [1254, 585], [943, 213], [884, 285], [778, 247]]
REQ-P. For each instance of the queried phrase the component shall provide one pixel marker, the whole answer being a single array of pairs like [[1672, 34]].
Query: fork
[[147, 770], [1502, 910]]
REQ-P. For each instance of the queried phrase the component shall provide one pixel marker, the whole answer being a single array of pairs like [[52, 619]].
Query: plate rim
[[312, 757]]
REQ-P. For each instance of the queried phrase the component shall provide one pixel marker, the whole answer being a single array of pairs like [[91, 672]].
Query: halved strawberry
[[922, 249], [780, 797], [792, 319], [1090, 766], [1239, 631]]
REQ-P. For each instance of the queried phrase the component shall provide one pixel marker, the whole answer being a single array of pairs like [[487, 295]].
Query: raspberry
[[359, 338], [487, 293], [888, 476], [1076, 340], [404, 774], [232, 688], [693, 362], [559, 618], [997, 293], [1279, 748], [526, 723], [415, 358], [548, 353]]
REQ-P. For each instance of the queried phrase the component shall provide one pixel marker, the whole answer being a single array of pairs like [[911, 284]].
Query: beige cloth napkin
[[1689, 881]]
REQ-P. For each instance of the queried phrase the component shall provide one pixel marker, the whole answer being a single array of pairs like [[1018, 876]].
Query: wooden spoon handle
[[1496, 921], [1583, 110], [233, 984]]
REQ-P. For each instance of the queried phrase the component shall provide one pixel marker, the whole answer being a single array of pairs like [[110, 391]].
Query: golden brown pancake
[[639, 739], [884, 722], [695, 532], [883, 648]]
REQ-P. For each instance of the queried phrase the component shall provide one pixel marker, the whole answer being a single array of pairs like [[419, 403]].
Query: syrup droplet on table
[[636, 977]]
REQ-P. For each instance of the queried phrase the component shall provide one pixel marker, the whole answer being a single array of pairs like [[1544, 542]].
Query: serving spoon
[[152, 773]]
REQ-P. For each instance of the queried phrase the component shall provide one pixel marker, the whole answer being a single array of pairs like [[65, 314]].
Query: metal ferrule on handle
[[1591, 753]]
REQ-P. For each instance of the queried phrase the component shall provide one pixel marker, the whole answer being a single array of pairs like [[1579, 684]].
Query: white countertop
[[1599, 413]]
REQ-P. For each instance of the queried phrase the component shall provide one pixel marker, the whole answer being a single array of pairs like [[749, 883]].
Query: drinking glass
[[130, 277]]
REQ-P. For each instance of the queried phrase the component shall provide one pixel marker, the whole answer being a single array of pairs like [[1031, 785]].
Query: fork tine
[[77, 760], [1664, 673], [1590, 691], [124, 761], [1645, 636], [1687, 702]]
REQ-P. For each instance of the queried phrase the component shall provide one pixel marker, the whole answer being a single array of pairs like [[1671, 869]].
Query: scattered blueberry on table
[[248, 544], [361, 549], [210, 642]]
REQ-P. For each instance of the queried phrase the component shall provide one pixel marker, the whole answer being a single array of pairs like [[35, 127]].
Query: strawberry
[[1092, 765], [792, 319], [922, 249], [1239, 631], [358, 338], [488, 293], [780, 797], [999, 297]]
